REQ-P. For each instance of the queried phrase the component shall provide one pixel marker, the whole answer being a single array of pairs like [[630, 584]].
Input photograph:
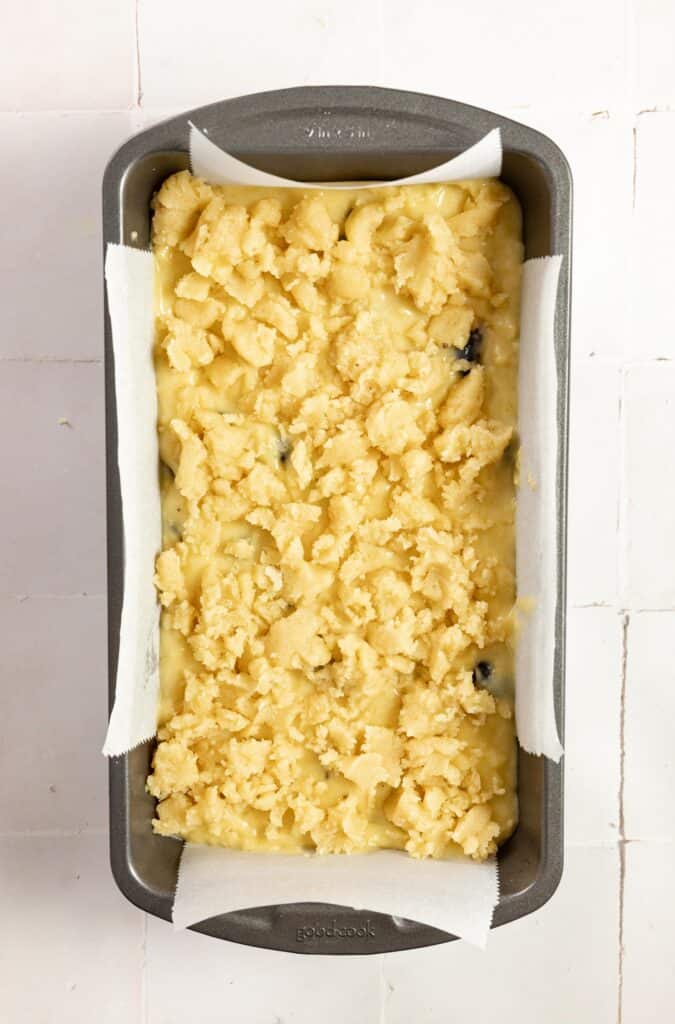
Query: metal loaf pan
[[329, 134]]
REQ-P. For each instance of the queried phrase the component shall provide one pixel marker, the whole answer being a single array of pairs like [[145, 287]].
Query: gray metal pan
[[328, 134]]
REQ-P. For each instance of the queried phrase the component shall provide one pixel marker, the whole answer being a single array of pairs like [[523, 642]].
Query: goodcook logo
[[311, 932]]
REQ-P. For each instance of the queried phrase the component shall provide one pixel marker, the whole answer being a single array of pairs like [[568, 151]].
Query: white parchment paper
[[536, 569], [129, 276], [456, 895], [434, 892], [483, 160]]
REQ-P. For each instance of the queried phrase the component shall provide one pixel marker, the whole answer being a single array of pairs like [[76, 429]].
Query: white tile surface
[[69, 55], [54, 524], [559, 965], [592, 725], [201, 52], [253, 986], [653, 321], [491, 54], [51, 215], [594, 467], [649, 427], [650, 713], [649, 913], [76, 947], [601, 152], [72, 949], [54, 650], [599, 148], [655, 33]]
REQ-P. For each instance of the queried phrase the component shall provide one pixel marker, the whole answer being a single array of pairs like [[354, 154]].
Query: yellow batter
[[336, 374]]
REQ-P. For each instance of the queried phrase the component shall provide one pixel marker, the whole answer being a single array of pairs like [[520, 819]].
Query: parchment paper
[[536, 570], [129, 280], [483, 160], [455, 895]]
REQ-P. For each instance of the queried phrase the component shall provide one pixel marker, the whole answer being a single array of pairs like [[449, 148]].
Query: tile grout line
[[583, 359], [621, 524], [145, 1009], [53, 833], [637, 111], [52, 359], [22, 598], [622, 819], [621, 509], [626, 362], [592, 604], [631, 54], [635, 128], [97, 111], [138, 94], [606, 843], [616, 606]]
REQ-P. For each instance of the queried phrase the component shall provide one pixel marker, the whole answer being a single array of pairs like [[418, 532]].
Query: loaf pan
[[331, 134]]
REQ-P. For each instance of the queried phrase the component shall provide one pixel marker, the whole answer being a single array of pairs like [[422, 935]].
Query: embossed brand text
[[334, 931]]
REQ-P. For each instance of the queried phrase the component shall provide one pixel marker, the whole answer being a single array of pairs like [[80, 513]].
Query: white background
[[76, 79]]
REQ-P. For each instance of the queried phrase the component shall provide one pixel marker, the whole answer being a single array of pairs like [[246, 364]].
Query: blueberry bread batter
[[336, 374]]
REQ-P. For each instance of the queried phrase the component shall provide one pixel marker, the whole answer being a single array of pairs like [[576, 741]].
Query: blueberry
[[472, 350], [481, 672], [284, 448]]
